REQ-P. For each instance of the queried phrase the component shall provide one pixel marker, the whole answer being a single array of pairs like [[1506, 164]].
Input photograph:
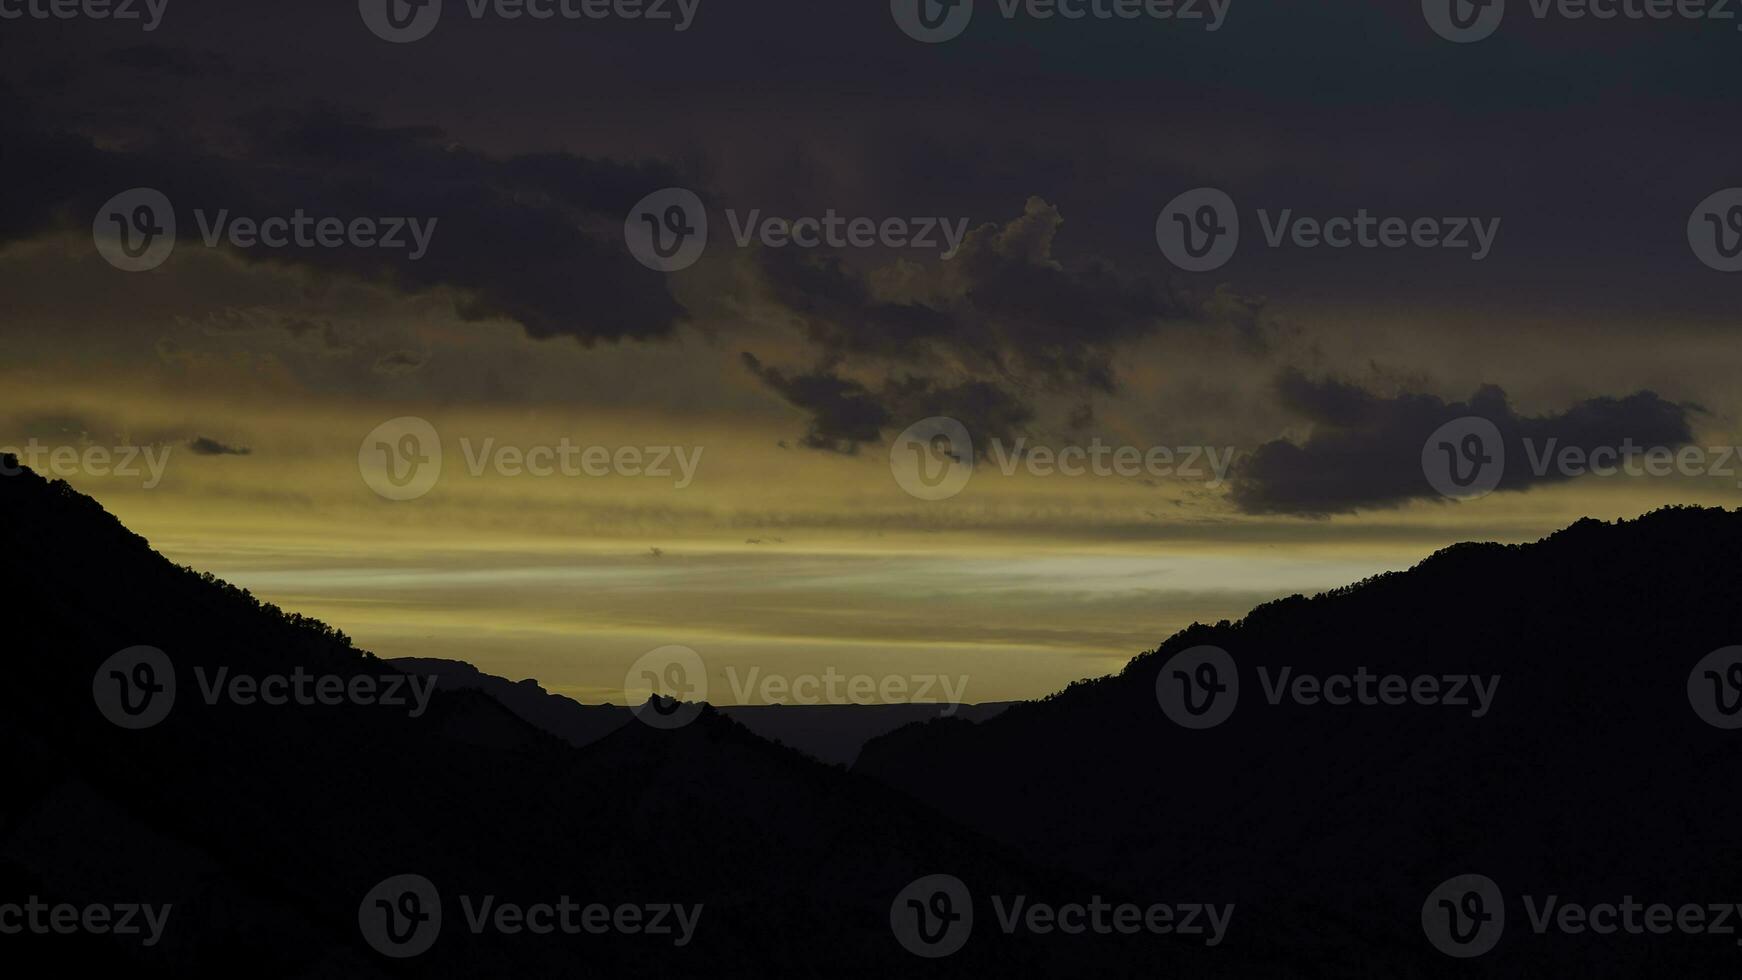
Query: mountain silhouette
[[830, 733], [267, 828], [1590, 772], [1591, 776]]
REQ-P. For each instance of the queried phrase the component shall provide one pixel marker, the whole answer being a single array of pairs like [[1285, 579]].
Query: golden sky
[[786, 377], [774, 556]]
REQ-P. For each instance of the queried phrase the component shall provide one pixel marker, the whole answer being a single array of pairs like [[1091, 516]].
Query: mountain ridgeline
[[1587, 774], [831, 733], [1300, 786], [268, 828]]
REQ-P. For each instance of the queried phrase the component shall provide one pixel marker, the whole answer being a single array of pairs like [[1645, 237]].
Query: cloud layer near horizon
[[1365, 450]]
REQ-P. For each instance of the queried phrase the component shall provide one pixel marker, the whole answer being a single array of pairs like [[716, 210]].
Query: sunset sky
[[793, 549]]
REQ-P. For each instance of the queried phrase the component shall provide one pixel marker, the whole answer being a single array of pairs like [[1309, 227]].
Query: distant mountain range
[[831, 733], [1584, 755]]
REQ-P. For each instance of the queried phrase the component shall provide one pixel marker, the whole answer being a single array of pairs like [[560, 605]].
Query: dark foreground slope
[[265, 827], [1591, 777]]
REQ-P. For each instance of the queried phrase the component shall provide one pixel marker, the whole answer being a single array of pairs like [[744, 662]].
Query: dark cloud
[[988, 410], [840, 313], [203, 446], [535, 239], [1003, 319], [1003, 305], [845, 413], [1365, 449]]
